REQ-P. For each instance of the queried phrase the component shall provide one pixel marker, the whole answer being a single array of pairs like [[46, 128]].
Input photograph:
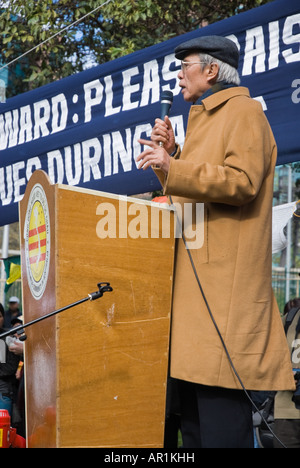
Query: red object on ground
[[8, 435]]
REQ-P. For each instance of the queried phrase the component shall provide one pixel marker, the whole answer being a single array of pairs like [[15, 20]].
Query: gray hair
[[226, 72]]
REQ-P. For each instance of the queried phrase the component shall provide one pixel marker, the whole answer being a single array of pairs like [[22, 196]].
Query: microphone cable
[[221, 338]]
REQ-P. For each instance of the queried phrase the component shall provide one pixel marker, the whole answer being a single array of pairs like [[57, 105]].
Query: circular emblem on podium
[[37, 241]]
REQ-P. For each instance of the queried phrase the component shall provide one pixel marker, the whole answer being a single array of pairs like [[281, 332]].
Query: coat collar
[[216, 99]]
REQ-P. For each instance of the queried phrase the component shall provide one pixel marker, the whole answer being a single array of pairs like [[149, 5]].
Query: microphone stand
[[102, 288]]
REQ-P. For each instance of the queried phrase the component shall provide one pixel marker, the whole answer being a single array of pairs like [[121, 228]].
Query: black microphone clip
[[102, 288]]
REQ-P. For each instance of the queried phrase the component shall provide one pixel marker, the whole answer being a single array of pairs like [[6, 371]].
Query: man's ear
[[212, 72]]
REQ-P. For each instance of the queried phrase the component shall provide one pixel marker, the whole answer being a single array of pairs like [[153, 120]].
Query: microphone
[[165, 106], [166, 103]]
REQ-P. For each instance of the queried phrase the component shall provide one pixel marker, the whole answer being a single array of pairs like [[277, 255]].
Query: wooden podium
[[95, 374]]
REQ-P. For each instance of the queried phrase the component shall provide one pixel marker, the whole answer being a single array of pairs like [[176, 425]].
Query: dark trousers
[[213, 417]]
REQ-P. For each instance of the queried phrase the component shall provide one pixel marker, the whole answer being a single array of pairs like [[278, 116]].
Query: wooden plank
[[113, 353]]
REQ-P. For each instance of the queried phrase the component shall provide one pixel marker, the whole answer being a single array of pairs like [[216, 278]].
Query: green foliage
[[116, 29]]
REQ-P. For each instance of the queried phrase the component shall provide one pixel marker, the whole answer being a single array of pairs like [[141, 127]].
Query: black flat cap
[[218, 47]]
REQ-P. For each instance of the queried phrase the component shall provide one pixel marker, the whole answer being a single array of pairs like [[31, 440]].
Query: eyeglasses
[[185, 64]]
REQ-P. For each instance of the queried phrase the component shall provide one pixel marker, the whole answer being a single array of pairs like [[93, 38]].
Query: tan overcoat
[[227, 163]]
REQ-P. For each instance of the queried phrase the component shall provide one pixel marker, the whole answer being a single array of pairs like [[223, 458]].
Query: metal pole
[[289, 239], [5, 248], [5, 231], [2, 91], [102, 288]]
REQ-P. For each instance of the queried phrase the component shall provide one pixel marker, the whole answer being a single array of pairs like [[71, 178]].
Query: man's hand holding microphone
[[162, 143]]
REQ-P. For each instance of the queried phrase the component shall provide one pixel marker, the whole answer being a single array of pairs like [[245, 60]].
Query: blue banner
[[83, 130]]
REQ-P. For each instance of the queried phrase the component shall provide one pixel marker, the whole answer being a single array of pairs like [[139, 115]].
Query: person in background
[[9, 363], [12, 312], [286, 410], [17, 348]]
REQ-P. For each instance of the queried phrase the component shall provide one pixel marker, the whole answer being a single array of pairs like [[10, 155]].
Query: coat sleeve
[[248, 147]]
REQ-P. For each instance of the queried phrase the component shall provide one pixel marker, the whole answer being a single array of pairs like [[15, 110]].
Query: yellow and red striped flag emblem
[[37, 241]]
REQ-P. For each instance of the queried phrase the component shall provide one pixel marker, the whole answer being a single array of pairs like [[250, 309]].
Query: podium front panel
[[110, 355]]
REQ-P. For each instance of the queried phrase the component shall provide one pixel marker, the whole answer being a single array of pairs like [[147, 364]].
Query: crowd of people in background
[[12, 367]]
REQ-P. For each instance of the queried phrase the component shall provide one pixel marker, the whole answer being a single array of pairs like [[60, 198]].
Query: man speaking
[[226, 327]]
